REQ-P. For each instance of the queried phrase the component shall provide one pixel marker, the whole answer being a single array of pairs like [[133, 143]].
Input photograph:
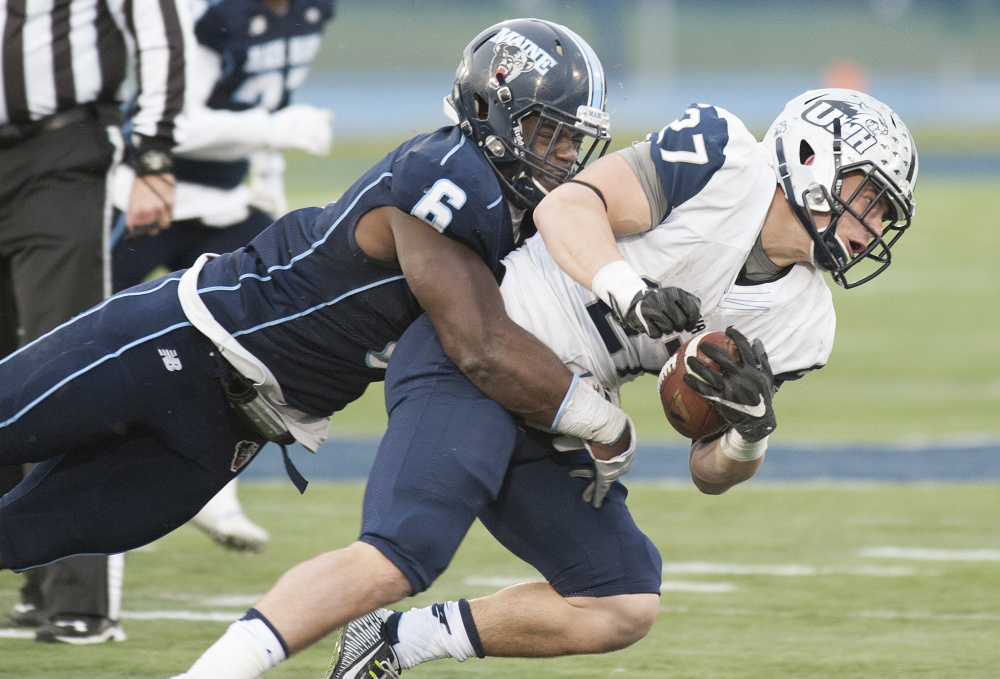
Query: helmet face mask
[[549, 148], [824, 136], [831, 253], [524, 90]]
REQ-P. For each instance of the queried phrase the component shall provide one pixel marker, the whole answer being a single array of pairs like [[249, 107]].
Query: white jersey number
[[435, 207], [697, 157]]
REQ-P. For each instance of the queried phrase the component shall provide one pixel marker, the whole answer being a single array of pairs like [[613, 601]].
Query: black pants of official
[[54, 212]]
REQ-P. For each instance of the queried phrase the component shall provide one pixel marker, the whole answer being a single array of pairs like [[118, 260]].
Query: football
[[690, 413]]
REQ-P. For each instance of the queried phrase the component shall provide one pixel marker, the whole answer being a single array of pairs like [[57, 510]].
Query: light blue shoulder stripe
[[279, 321], [304, 253], [448, 155]]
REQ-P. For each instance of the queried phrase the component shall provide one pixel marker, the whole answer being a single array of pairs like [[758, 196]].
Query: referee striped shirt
[[61, 53]]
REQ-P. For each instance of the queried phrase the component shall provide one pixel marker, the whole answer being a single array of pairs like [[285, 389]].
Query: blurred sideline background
[[912, 390]]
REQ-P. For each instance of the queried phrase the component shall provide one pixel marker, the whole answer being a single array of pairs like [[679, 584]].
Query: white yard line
[[930, 554], [785, 570], [198, 616], [889, 615], [17, 633], [700, 587]]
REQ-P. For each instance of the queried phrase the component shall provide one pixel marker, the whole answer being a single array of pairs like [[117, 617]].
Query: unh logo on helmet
[[860, 125], [514, 54]]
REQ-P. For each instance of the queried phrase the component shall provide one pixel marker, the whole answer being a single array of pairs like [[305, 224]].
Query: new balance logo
[[170, 359]]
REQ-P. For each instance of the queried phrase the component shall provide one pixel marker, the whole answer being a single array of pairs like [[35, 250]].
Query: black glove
[[660, 311], [742, 392]]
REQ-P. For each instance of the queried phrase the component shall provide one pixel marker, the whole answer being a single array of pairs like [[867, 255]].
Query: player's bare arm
[[713, 472], [463, 300], [505, 361], [579, 231], [579, 222]]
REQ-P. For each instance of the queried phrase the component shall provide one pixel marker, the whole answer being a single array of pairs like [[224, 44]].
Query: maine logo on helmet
[[509, 61], [515, 54], [523, 88]]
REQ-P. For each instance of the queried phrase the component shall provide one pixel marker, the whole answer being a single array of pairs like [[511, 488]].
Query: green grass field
[[793, 592], [765, 581]]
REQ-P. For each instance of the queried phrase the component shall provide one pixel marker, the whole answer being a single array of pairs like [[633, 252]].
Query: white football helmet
[[823, 135]]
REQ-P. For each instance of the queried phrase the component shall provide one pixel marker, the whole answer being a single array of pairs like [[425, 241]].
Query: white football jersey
[[718, 183]]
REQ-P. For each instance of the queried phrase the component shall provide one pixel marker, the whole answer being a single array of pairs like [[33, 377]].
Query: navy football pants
[[451, 455], [123, 410]]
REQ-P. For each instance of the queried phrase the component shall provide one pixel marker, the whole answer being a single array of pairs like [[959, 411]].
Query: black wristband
[[152, 155], [153, 161]]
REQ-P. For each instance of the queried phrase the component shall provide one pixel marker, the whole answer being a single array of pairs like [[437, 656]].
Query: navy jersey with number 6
[[305, 300], [300, 310]]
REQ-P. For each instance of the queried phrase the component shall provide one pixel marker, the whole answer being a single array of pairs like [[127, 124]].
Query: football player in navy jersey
[[149, 403], [250, 57], [750, 228]]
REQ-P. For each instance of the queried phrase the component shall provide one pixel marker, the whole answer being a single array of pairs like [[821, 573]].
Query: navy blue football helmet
[[535, 72]]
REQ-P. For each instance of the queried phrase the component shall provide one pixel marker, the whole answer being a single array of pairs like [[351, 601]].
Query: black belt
[[14, 133]]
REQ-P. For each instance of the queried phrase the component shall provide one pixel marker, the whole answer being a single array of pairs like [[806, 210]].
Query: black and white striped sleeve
[[163, 36]]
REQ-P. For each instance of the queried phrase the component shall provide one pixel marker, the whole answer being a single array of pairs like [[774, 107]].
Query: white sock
[[249, 648], [435, 632]]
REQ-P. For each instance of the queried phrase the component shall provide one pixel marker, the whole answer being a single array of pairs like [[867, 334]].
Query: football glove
[[301, 126], [604, 472], [742, 392], [661, 311]]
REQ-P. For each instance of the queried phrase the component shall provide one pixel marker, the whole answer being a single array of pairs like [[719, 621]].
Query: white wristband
[[736, 448], [585, 413], [617, 284]]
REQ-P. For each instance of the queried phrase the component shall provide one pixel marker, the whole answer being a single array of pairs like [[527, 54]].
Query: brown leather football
[[690, 413]]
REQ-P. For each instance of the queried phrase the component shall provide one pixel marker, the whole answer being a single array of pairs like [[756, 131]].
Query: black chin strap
[[786, 185], [799, 211]]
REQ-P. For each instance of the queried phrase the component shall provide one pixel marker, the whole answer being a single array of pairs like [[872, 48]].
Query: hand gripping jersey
[[307, 304], [718, 185]]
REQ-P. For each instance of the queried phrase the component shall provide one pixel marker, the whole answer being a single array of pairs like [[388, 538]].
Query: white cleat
[[232, 530]]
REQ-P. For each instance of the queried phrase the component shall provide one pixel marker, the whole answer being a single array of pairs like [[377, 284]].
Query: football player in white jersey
[[749, 228]]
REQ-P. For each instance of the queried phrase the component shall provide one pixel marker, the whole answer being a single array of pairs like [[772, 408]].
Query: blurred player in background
[[749, 228], [63, 68], [250, 57], [148, 404]]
